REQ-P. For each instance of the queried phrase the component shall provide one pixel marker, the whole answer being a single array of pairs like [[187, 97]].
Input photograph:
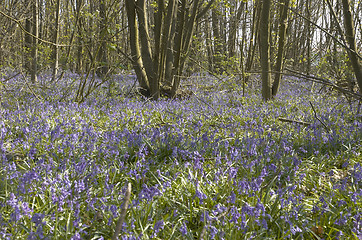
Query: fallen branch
[[315, 115], [123, 213], [294, 121], [355, 95]]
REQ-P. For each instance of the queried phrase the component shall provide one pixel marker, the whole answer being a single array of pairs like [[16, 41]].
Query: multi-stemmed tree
[[158, 58]]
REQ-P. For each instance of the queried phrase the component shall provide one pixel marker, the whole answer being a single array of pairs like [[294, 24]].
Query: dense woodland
[[165, 41], [180, 119]]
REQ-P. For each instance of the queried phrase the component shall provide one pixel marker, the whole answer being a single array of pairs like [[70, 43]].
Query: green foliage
[[336, 66]]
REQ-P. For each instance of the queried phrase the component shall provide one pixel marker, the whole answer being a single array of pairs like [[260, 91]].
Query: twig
[[294, 121], [18, 22], [325, 82], [123, 213], [315, 115], [315, 80], [31, 90], [326, 32], [8, 78]]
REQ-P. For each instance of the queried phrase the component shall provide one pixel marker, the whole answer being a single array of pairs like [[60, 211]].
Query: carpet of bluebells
[[214, 164]]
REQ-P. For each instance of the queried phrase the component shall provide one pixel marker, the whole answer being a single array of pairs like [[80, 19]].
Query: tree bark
[[176, 33], [178, 46], [56, 38], [264, 47], [165, 41], [233, 29], [217, 41], [79, 4], [282, 35], [146, 50], [253, 38], [135, 48], [28, 39], [103, 34], [210, 52], [352, 51], [34, 54], [185, 42]]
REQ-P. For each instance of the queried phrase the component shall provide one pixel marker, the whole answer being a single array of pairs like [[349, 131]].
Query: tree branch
[[26, 32]]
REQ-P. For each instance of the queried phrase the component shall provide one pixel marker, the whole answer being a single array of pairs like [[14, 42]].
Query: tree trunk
[[146, 50], [178, 46], [253, 38], [28, 39], [282, 35], [210, 52], [177, 30], [264, 47], [158, 17], [79, 4], [34, 54], [185, 44], [352, 52], [56, 48], [217, 41], [165, 42], [135, 47], [169, 55], [103, 33], [233, 29]]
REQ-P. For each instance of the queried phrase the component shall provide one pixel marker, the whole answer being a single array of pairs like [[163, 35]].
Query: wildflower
[[205, 217], [37, 218], [213, 231], [158, 226], [183, 229], [76, 236], [201, 196], [264, 224]]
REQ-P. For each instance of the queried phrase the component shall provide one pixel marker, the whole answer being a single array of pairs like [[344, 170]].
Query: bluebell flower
[[235, 215], [213, 231], [158, 226], [183, 229], [37, 218], [76, 236], [201, 196]]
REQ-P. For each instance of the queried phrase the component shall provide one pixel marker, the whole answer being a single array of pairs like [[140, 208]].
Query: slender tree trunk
[[146, 50], [34, 54], [185, 44], [56, 37], [253, 38], [135, 48], [148, 63], [282, 35], [217, 41], [210, 52], [349, 28], [169, 55], [264, 47], [158, 17], [79, 4], [28, 39], [233, 29], [103, 34], [165, 41], [178, 46], [309, 35]]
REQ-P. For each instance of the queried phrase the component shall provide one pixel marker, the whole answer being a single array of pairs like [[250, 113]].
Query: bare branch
[[26, 32]]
